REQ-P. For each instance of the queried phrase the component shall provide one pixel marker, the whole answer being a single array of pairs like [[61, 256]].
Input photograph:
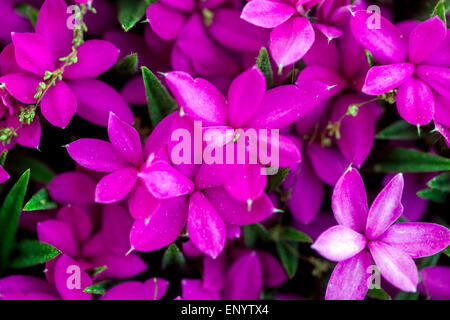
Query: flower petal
[[395, 265], [247, 90], [164, 182], [274, 274], [32, 53], [418, 239], [125, 139], [205, 227], [116, 186], [59, 235], [141, 202], [306, 195], [426, 38], [415, 102], [71, 279], [72, 188], [247, 183], [290, 41], [59, 104], [349, 278], [193, 290], [437, 77], [52, 24], [244, 278], [328, 163], [349, 201], [382, 79], [235, 212], [96, 100], [339, 243], [97, 155], [234, 33], [435, 281], [158, 14], [162, 228], [266, 13], [198, 98], [78, 221], [22, 86], [386, 208], [94, 58], [386, 43]]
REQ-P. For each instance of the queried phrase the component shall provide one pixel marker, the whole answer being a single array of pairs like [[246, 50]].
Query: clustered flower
[[214, 173]]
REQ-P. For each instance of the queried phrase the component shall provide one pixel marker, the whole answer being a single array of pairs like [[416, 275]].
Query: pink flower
[[39, 53], [364, 234], [414, 59], [292, 34]]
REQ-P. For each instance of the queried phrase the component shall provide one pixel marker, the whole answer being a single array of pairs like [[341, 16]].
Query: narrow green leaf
[[40, 201], [292, 234], [127, 66], [254, 233], [263, 64], [288, 253], [407, 295], [447, 251], [20, 162], [275, 181], [378, 294], [28, 11], [159, 101], [173, 257], [370, 58], [9, 218], [30, 253], [131, 12], [439, 10], [433, 195], [100, 287], [400, 130], [387, 160], [3, 157], [441, 182]]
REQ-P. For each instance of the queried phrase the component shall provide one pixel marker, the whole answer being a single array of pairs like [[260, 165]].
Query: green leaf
[[433, 195], [28, 11], [40, 201], [132, 11], [173, 257], [20, 162], [407, 295], [446, 251], [263, 64], [100, 287], [159, 101], [288, 253], [294, 235], [275, 181], [428, 261], [400, 130], [439, 10], [378, 294], [441, 182], [387, 160], [9, 218], [30, 253], [370, 58], [3, 157], [254, 233], [127, 66]]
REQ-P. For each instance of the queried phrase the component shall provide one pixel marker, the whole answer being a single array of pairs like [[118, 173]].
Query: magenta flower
[[152, 289], [38, 55], [414, 60], [203, 33], [123, 159], [292, 34], [435, 282], [364, 234]]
